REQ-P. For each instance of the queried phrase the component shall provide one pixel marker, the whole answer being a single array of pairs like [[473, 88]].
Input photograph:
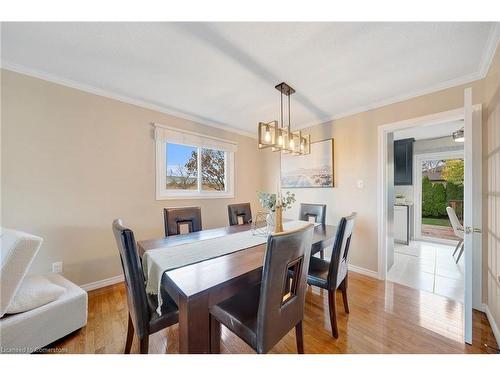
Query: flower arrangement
[[276, 204], [271, 201]]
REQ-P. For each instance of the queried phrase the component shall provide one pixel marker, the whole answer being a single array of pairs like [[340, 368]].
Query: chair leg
[[144, 345], [299, 336], [130, 335], [343, 289], [333, 313], [214, 335], [322, 254], [460, 253], [458, 246]]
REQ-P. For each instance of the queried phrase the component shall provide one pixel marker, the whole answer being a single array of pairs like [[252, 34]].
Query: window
[[190, 165]]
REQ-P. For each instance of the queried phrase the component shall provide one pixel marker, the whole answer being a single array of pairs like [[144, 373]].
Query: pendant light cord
[[289, 126], [281, 108]]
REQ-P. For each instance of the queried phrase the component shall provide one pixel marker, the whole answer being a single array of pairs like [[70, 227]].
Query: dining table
[[198, 286]]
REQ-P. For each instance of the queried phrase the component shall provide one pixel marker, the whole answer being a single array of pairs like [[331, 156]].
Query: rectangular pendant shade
[[305, 146], [268, 134]]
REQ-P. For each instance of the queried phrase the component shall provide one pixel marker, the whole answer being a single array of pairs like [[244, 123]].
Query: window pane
[[213, 171], [182, 167]]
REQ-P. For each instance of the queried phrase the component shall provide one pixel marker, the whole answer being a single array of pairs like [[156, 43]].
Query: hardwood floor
[[384, 318]]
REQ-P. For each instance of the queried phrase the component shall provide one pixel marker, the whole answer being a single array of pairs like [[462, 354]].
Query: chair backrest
[[240, 210], [455, 223], [281, 304], [316, 211], [340, 253], [175, 218], [134, 278]]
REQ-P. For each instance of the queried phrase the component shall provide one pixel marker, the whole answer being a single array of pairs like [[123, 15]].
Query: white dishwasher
[[402, 224]]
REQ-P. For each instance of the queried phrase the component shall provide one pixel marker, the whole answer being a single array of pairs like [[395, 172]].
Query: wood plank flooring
[[384, 318]]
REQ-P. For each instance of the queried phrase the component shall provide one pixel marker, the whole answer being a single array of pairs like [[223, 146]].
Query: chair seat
[[169, 311], [318, 272], [239, 314]]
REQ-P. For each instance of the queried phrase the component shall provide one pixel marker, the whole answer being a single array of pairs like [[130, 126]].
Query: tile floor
[[430, 267]]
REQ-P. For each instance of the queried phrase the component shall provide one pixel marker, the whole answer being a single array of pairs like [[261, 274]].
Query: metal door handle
[[469, 230]]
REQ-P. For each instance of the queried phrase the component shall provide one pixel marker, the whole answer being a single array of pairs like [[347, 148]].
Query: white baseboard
[[492, 322], [102, 283], [363, 271]]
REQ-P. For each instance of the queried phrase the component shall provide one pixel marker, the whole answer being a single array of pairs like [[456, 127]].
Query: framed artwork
[[309, 171]]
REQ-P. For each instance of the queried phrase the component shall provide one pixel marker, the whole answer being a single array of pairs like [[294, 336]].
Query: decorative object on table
[[276, 204], [280, 137], [261, 225], [314, 170]]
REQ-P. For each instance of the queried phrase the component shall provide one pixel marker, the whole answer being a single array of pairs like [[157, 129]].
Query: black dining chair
[[332, 275], [317, 212], [240, 210], [142, 307], [265, 313], [177, 217]]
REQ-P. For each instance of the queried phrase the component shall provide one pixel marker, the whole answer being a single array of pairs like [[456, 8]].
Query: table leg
[[194, 325]]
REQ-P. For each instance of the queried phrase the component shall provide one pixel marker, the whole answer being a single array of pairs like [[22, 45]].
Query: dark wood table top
[[196, 278]]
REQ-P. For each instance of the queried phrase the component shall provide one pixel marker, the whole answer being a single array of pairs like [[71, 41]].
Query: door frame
[[417, 191], [383, 209]]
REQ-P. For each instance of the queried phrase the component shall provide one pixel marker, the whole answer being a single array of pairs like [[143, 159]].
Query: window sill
[[170, 197]]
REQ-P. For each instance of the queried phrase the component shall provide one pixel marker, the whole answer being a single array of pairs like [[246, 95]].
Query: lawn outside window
[[191, 165]]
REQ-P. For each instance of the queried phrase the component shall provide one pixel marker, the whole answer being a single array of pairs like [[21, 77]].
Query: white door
[[472, 211]]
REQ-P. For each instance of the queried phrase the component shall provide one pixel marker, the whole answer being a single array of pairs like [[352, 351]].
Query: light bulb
[[267, 136], [280, 140], [302, 145], [292, 143]]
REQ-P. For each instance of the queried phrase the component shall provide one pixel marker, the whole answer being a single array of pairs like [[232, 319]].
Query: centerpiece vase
[[278, 220]]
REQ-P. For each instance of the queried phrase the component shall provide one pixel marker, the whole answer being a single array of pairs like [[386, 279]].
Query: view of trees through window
[[183, 171], [442, 186]]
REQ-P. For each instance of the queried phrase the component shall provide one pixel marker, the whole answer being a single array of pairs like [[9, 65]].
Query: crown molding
[[489, 51], [21, 69], [396, 99]]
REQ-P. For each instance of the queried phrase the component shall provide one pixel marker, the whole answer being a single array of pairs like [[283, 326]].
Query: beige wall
[[491, 187], [356, 159], [72, 162]]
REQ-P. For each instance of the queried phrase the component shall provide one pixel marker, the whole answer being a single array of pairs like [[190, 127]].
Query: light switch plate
[[360, 184]]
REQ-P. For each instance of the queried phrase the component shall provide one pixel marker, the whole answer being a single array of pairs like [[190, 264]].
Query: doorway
[[439, 183], [471, 116]]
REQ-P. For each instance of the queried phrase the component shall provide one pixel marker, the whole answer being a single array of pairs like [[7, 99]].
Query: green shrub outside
[[435, 196]]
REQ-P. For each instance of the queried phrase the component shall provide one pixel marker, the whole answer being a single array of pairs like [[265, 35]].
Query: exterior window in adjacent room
[[190, 165]]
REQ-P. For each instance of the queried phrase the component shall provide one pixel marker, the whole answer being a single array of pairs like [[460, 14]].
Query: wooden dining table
[[196, 287]]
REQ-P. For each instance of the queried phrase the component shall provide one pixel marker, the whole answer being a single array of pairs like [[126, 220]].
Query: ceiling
[[429, 132], [223, 74]]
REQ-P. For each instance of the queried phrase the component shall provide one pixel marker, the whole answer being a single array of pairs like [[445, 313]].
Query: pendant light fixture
[[279, 136]]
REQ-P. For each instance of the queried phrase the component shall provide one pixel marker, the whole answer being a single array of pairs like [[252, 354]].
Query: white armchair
[[458, 229]]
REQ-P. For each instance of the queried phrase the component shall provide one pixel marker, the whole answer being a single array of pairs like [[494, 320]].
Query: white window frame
[[164, 135]]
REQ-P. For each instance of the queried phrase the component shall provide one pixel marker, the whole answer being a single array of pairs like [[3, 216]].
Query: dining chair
[[317, 212], [176, 218], [332, 275], [458, 229], [142, 307], [237, 211], [263, 314]]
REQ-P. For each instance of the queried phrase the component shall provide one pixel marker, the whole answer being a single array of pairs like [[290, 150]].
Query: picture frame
[[315, 170]]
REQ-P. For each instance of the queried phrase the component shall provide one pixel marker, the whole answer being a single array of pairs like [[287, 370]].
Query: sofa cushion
[[35, 291], [26, 332], [17, 252]]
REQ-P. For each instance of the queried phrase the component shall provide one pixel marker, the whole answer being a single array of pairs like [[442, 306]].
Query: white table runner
[[156, 262]]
